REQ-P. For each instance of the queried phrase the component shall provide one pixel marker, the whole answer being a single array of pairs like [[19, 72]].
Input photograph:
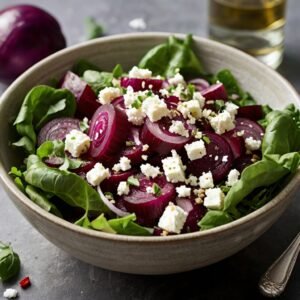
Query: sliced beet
[[119, 102], [140, 84], [249, 128], [134, 152], [252, 112], [85, 167], [172, 102], [200, 84], [213, 161], [108, 131], [242, 162], [160, 139], [195, 213], [86, 99], [57, 129], [148, 207], [236, 143], [111, 183], [215, 92]]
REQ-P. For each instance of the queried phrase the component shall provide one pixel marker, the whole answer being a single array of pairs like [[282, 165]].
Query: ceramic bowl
[[145, 255]]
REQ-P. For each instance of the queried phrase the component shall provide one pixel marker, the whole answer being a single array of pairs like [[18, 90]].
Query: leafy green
[[233, 88], [83, 65], [41, 104], [39, 197], [92, 28], [167, 58], [102, 224], [9, 262], [69, 187], [117, 71], [214, 218], [98, 80]]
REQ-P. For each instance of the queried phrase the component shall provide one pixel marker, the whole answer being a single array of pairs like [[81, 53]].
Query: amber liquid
[[255, 26]]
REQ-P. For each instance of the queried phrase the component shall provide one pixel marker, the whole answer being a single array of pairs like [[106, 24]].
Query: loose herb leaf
[[156, 189], [206, 139], [133, 181], [9, 262], [93, 29], [219, 105], [84, 125]]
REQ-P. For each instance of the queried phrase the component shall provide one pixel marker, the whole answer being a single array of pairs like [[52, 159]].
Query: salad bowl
[[134, 254]]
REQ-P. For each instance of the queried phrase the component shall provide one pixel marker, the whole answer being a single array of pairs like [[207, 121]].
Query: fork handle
[[274, 281]]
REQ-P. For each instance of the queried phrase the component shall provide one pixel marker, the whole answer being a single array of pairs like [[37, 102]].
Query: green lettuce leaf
[[175, 54], [41, 104]]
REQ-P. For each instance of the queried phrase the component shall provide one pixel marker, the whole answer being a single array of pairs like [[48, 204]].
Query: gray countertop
[[56, 275]]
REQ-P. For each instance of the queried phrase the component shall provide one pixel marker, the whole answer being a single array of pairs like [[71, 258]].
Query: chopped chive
[[219, 104], [156, 189], [133, 181], [206, 139]]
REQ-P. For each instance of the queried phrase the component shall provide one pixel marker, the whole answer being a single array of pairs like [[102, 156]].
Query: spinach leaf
[[68, 186], [214, 218], [38, 197], [233, 88], [9, 262], [92, 28], [117, 71], [41, 104], [84, 221], [124, 225], [83, 65], [175, 54], [98, 80]]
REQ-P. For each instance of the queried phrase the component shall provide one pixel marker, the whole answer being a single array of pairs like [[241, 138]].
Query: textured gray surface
[[55, 275]]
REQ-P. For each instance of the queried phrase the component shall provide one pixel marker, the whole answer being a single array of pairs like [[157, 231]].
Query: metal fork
[[274, 281]]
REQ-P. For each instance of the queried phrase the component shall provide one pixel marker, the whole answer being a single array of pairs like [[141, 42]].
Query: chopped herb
[[137, 103], [206, 139], [219, 104], [130, 143], [84, 125], [156, 189], [133, 181], [149, 93], [93, 29], [190, 90], [109, 195], [225, 189], [117, 71]]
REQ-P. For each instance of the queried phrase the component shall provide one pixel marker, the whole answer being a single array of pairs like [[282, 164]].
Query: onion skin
[[27, 35]]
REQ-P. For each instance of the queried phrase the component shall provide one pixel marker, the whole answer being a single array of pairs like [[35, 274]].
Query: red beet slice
[[213, 161], [57, 129], [85, 97], [111, 183], [172, 102], [249, 128], [108, 131], [236, 143], [148, 207], [242, 162], [119, 102], [252, 112], [85, 167], [195, 213], [160, 139], [140, 84], [215, 92], [200, 84], [134, 152]]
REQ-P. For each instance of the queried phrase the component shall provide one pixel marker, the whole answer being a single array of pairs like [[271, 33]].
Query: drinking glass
[[254, 26]]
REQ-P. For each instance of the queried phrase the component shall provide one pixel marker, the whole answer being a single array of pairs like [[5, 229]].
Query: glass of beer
[[254, 26]]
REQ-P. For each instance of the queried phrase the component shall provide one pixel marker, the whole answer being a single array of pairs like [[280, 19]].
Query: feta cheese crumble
[[123, 165], [173, 218], [190, 110], [233, 177], [123, 188], [198, 97], [136, 72], [252, 144], [206, 180], [192, 180], [10, 294], [145, 147], [183, 191], [97, 174], [178, 128], [231, 108], [195, 150], [177, 79], [174, 168], [214, 199], [222, 122], [108, 94], [137, 24], [155, 108], [77, 142], [150, 171], [135, 116]]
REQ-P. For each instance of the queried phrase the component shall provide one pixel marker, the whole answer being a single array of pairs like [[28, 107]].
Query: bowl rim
[[8, 183]]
